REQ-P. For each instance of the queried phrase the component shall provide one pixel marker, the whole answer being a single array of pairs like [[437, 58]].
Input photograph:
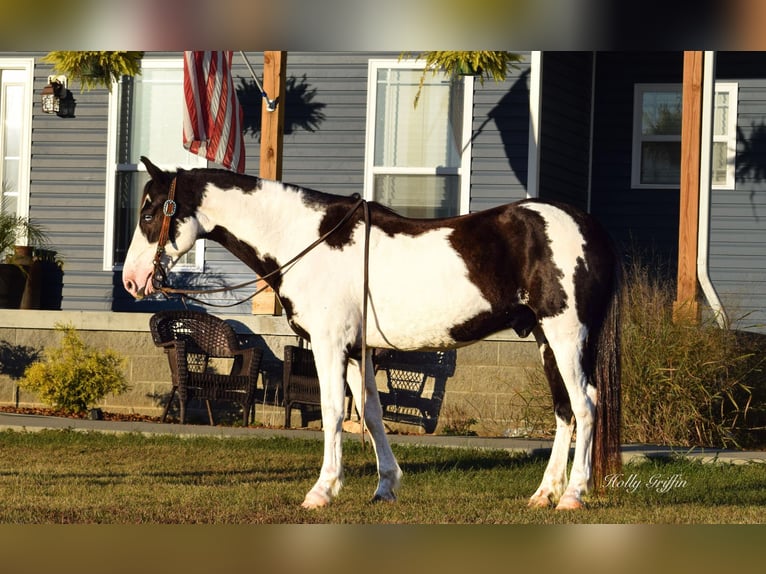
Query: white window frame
[[371, 170], [113, 168], [27, 67], [730, 137]]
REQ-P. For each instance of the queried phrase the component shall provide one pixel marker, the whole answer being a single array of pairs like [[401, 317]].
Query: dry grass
[[685, 383]]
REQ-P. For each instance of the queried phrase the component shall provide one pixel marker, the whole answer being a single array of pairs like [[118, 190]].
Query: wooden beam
[[686, 305], [272, 131], [272, 123]]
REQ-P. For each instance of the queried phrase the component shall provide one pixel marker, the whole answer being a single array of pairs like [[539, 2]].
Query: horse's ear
[[154, 172]]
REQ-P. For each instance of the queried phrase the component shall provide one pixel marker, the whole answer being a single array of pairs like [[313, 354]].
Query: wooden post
[[272, 130], [272, 123], [686, 305]]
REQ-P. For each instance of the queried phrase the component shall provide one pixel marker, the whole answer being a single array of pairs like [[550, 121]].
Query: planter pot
[[13, 280]]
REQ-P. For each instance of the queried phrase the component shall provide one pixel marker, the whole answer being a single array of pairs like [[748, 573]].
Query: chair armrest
[[247, 361]]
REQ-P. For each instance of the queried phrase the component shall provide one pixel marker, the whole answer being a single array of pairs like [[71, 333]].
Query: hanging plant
[[94, 69], [482, 64]]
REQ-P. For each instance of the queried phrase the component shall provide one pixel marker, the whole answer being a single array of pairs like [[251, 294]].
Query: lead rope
[[160, 278], [365, 295]]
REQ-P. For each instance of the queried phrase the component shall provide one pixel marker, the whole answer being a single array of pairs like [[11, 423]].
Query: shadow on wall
[[751, 160], [14, 359], [510, 123], [301, 111]]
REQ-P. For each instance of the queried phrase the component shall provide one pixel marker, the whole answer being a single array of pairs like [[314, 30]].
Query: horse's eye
[[148, 217]]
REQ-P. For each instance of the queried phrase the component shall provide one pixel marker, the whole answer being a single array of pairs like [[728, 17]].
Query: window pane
[[11, 113], [150, 124], [720, 162], [661, 113], [721, 114], [419, 195], [424, 136], [128, 189], [155, 107], [660, 162]]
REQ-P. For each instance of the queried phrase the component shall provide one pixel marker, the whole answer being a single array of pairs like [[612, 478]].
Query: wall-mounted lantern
[[57, 99]]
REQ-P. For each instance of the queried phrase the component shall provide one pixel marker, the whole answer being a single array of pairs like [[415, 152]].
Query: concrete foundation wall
[[497, 388]]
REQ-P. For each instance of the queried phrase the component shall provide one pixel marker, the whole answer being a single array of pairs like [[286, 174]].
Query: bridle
[[169, 209], [159, 277]]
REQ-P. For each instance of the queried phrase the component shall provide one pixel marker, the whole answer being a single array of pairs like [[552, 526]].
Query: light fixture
[[57, 99]]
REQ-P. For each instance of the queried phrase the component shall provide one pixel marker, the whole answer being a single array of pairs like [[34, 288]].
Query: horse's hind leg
[[389, 473], [554, 479], [566, 338]]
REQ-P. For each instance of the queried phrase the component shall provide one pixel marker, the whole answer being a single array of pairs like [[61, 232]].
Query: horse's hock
[[497, 387]]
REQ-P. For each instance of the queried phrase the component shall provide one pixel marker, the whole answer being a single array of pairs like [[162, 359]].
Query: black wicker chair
[[407, 373], [191, 339], [300, 383]]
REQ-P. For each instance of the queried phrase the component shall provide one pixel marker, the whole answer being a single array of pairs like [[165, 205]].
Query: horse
[[537, 267]]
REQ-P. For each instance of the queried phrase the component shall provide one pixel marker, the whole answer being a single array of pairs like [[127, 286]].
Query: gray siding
[[500, 139], [68, 171], [738, 216], [565, 127]]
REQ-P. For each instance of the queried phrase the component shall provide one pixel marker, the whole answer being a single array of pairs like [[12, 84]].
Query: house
[[600, 130]]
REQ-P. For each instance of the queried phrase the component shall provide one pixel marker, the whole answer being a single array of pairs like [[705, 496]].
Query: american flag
[[212, 116]]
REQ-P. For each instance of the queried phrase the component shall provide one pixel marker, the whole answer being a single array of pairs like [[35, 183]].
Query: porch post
[[686, 305], [272, 131], [272, 123]]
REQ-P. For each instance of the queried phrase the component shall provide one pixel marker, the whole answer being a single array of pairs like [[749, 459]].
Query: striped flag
[[212, 114]]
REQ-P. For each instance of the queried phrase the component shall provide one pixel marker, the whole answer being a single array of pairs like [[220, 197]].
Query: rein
[[159, 279]]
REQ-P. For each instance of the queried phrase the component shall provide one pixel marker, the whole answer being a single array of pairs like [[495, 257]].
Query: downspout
[[533, 153], [589, 190], [703, 233]]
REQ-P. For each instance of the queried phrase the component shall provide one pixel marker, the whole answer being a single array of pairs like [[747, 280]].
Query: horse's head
[[139, 268]]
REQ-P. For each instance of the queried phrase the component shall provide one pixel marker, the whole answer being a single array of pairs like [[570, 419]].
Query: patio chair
[[198, 347], [407, 373]]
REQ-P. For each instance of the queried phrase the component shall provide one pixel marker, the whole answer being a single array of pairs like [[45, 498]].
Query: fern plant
[[482, 64], [74, 376], [93, 69]]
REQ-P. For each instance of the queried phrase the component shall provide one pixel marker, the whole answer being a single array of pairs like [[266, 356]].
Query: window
[[657, 136], [16, 78], [417, 158], [145, 119]]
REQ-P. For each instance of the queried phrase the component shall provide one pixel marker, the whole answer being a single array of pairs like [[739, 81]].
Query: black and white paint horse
[[533, 266]]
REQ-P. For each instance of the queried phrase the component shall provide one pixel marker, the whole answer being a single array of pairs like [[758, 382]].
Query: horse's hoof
[[539, 502], [314, 500], [380, 498], [570, 503]]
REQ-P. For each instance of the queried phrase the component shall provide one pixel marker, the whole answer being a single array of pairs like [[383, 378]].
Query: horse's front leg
[[389, 473], [331, 367]]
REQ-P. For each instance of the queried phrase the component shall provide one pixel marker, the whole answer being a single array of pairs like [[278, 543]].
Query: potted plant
[[482, 64], [16, 260], [94, 69]]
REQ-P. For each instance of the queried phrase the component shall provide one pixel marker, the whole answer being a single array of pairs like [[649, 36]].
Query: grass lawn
[[57, 477]]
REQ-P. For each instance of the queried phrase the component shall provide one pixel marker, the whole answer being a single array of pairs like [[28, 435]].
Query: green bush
[[684, 383], [74, 376]]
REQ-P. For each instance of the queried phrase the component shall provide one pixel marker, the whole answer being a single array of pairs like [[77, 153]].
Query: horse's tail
[[607, 456]]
